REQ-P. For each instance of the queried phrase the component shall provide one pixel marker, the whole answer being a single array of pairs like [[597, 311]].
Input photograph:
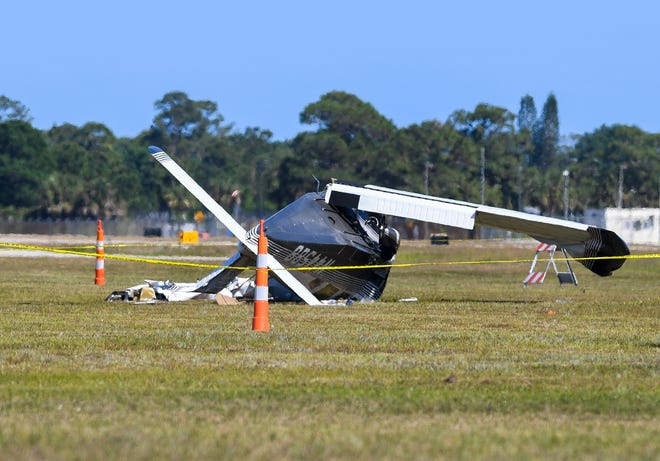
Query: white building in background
[[634, 225]]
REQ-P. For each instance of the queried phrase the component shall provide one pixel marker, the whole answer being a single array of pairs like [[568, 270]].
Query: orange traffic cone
[[100, 261], [260, 319]]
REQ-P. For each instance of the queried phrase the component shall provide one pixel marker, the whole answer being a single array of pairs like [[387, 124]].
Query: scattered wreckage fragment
[[152, 291]]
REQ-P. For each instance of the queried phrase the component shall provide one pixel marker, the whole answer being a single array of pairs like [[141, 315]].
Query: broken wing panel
[[231, 224], [200, 194]]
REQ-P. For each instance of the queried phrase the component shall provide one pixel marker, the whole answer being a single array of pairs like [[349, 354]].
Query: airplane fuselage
[[310, 236]]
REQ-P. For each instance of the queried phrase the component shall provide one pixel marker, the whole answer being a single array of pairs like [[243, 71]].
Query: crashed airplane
[[343, 232]]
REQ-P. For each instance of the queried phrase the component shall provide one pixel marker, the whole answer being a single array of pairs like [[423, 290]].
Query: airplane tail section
[[599, 250], [603, 253]]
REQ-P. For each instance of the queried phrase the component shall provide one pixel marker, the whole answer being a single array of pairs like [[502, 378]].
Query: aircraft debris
[[342, 238]]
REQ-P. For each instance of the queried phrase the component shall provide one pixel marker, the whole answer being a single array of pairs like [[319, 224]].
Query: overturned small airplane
[[345, 227]]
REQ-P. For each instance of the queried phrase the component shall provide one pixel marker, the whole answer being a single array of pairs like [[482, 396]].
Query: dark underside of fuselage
[[331, 250], [309, 233]]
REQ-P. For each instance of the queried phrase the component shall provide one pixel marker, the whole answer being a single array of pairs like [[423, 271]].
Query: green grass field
[[478, 368]]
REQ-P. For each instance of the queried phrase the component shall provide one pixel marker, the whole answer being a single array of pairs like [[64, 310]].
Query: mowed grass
[[478, 368]]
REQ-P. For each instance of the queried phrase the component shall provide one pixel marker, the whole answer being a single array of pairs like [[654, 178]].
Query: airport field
[[477, 368]]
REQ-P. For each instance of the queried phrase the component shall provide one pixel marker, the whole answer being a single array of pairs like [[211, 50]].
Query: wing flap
[[405, 205]]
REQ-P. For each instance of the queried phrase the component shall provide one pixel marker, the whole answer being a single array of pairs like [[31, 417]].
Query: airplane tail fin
[[606, 248]]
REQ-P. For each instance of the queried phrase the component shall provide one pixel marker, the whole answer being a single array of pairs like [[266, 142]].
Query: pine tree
[[546, 134], [527, 114]]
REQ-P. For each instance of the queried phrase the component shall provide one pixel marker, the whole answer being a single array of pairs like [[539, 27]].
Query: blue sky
[[262, 62]]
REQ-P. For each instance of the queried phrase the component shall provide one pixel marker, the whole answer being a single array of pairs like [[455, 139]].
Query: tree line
[[487, 155]]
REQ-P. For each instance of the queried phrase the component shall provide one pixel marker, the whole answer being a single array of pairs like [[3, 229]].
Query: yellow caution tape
[[106, 256], [315, 268]]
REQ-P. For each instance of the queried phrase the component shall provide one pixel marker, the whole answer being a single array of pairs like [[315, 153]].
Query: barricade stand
[[100, 259], [537, 278], [566, 277], [260, 319]]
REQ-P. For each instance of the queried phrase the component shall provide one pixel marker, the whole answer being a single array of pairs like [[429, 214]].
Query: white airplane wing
[[600, 250], [228, 221]]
